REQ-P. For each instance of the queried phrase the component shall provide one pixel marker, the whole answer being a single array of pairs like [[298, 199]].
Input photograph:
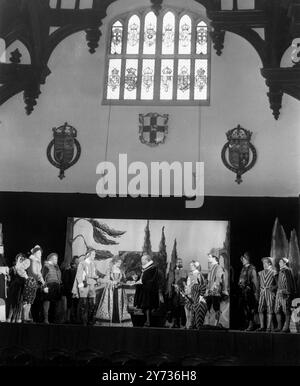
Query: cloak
[[147, 294]]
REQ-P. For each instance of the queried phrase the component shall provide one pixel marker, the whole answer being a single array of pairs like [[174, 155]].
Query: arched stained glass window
[[201, 37], [168, 34], [150, 34], [162, 59], [133, 35], [116, 38], [185, 34]]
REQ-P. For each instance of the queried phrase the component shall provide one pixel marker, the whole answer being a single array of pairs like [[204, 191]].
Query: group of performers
[[112, 306], [33, 283], [194, 299], [269, 293]]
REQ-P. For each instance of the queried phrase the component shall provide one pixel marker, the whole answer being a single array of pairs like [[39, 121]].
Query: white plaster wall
[[73, 93]]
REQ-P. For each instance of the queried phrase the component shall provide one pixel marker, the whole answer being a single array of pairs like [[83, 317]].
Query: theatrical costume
[[284, 296], [32, 283], [113, 303], [194, 279], [147, 294], [198, 306], [177, 302], [34, 278], [18, 277], [84, 288], [249, 292], [214, 290], [267, 288], [52, 276], [68, 279]]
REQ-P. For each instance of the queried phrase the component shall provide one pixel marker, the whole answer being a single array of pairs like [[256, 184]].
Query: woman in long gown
[[113, 303], [18, 276]]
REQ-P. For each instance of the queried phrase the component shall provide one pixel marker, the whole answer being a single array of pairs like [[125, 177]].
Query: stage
[[148, 346]]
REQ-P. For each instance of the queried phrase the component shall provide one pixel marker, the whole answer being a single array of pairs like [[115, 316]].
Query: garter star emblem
[[238, 154], [153, 128]]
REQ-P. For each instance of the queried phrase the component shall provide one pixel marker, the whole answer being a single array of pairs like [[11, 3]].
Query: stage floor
[[244, 348]]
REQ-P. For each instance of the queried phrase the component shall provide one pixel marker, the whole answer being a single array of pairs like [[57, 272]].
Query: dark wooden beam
[[244, 18], [13, 72], [63, 17], [8, 90], [279, 81]]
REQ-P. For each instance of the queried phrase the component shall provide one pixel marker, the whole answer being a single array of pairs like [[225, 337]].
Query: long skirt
[[113, 306], [15, 298]]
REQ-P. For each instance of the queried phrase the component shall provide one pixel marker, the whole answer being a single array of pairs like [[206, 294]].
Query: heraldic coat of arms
[[63, 147], [153, 128], [238, 154]]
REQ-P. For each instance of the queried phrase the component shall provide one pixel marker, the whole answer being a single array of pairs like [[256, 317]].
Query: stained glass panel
[[113, 81], [166, 79], [147, 86], [182, 74], [130, 80], [133, 35], [168, 33], [201, 38], [116, 38], [183, 79], [150, 34], [185, 33], [200, 88]]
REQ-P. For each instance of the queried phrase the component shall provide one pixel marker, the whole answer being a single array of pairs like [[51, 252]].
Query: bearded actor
[[147, 288]]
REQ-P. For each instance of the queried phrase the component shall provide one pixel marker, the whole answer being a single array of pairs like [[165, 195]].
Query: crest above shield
[[238, 154], [64, 150]]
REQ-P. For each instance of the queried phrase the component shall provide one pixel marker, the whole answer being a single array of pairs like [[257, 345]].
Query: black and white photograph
[[149, 187]]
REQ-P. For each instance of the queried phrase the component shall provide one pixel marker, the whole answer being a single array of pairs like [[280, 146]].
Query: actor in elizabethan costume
[[284, 295], [195, 287], [18, 277], [249, 291], [33, 281], [177, 301], [147, 288], [267, 289], [113, 303], [52, 290], [215, 286], [84, 286], [68, 274], [195, 301]]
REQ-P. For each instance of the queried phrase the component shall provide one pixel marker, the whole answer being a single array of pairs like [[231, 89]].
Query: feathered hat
[[214, 253], [35, 249]]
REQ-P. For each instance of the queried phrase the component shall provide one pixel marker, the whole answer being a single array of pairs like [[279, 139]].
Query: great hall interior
[[211, 81]]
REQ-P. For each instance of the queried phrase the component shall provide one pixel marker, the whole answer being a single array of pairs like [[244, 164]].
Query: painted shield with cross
[[153, 128]]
